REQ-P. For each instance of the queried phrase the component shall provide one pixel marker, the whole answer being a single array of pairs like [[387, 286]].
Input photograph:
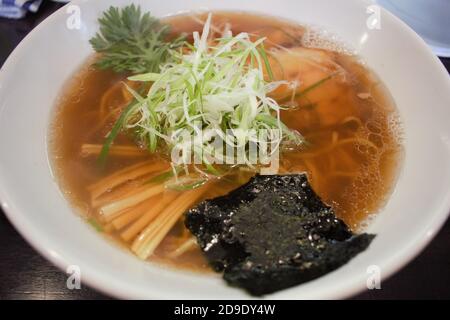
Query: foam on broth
[[350, 122]]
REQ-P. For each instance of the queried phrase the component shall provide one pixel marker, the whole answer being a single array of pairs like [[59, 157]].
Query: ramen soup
[[350, 147]]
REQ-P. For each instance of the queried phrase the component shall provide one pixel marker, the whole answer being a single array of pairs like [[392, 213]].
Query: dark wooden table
[[24, 274]]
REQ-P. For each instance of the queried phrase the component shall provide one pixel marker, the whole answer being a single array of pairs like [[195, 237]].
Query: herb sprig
[[131, 41]]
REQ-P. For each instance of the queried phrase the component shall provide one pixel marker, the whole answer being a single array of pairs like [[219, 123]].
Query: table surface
[[24, 274]]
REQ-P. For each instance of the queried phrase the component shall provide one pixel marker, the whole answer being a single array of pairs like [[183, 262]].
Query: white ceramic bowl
[[33, 76]]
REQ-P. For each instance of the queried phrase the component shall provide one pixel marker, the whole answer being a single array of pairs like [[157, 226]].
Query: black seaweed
[[273, 233]]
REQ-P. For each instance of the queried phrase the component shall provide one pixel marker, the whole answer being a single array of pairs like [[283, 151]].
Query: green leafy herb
[[210, 87], [294, 136], [114, 132], [131, 41], [187, 184], [263, 53], [314, 86], [95, 224], [310, 88], [163, 177]]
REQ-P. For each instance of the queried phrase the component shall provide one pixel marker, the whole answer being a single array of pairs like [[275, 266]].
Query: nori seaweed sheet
[[272, 233]]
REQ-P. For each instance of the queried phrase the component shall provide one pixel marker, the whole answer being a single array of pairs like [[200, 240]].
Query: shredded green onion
[[114, 132], [217, 85], [95, 224]]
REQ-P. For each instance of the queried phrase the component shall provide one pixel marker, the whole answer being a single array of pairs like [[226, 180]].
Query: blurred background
[[429, 18]]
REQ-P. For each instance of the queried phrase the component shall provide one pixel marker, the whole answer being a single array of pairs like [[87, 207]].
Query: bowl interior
[[33, 76]]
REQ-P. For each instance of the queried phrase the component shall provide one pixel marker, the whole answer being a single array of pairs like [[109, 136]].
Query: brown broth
[[351, 125]]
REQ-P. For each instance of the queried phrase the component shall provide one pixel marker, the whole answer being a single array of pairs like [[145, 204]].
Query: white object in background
[[429, 18], [16, 9]]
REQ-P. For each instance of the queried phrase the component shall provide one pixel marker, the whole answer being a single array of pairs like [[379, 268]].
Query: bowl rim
[[90, 277]]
